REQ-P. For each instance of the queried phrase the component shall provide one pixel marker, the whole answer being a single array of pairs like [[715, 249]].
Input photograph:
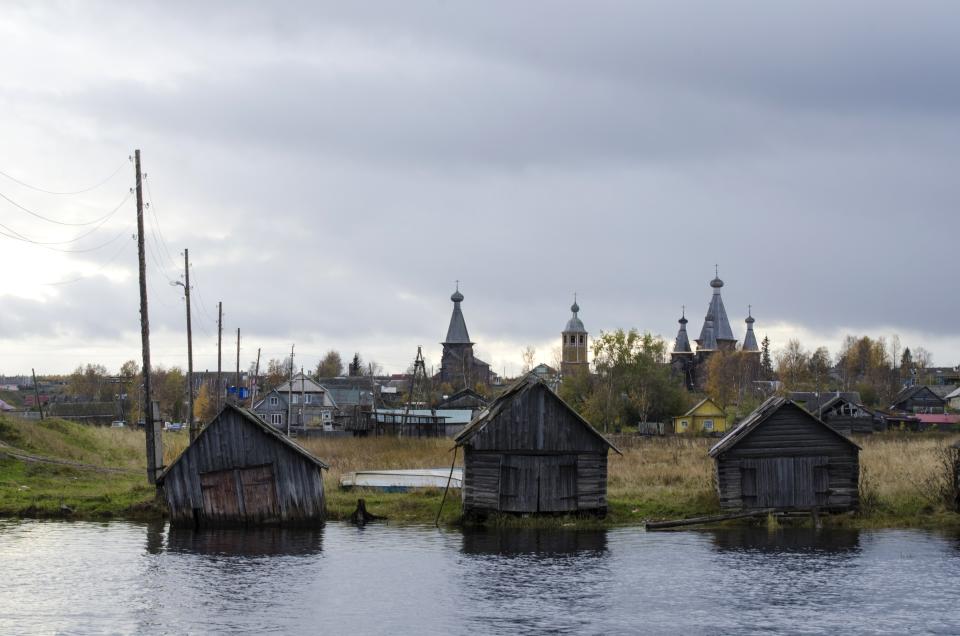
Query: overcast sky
[[333, 170]]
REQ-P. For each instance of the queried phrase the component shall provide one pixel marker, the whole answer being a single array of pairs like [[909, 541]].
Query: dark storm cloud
[[334, 168]]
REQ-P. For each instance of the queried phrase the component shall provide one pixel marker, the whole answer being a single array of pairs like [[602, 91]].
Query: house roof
[[701, 403], [953, 394], [308, 385], [457, 331], [515, 390], [813, 400], [761, 415], [462, 394], [257, 422], [910, 392]]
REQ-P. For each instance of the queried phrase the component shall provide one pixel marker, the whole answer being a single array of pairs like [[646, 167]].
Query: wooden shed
[[783, 457], [240, 470], [529, 452]]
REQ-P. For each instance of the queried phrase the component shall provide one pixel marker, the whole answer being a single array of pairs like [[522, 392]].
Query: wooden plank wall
[[790, 433], [232, 442]]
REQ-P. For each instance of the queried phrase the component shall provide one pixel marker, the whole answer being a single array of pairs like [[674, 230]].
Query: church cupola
[[681, 345]]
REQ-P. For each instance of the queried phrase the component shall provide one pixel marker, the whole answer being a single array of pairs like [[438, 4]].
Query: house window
[[306, 398], [326, 416], [276, 419], [296, 399], [708, 425], [684, 423], [274, 400]]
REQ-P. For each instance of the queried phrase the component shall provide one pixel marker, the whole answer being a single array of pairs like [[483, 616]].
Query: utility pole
[[154, 448], [186, 293], [303, 402], [253, 380], [36, 392], [290, 392], [236, 384], [219, 354]]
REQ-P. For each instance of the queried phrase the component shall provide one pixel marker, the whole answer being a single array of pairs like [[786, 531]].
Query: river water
[[118, 577]]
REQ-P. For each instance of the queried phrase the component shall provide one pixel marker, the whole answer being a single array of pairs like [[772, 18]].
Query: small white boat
[[403, 480]]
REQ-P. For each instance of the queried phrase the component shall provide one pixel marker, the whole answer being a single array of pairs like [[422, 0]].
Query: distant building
[[308, 403], [918, 399], [715, 335], [705, 417], [458, 366], [574, 344], [953, 399]]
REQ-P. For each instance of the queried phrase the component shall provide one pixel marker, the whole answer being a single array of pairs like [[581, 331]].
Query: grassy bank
[[661, 478]]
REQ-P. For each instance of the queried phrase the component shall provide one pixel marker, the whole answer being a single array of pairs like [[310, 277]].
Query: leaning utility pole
[[236, 383], [154, 448], [219, 354], [36, 392], [253, 381], [290, 392], [186, 292]]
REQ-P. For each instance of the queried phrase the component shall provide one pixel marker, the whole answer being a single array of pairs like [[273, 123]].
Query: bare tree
[[529, 355]]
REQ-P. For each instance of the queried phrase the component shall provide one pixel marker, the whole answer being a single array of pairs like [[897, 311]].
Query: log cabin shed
[[529, 452], [242, 471], [783, 457]]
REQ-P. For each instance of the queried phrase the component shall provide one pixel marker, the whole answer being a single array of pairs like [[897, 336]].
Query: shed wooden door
[[259, 492], [785, 482], [518, 483], [538, 483], [558, 484], [220, 497]]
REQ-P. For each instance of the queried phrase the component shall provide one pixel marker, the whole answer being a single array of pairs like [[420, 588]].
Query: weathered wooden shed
[[529, 452], [240, 470], [783, 457]]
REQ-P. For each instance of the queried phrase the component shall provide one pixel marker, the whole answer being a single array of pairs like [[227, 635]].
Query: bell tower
[[574, 344]]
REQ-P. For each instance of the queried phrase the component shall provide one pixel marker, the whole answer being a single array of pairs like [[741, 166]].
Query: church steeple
[[682, 344], [457, 331], [750, 340], [716, 332]]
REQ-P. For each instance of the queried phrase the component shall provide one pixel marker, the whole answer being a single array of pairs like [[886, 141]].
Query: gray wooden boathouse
[[529, 452], [783, 457], [241, 470]]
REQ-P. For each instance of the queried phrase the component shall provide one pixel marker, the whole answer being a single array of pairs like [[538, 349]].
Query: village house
[[307, 402], [918, 399], [783, 458], [529, 452], [705, 417], [240, 470]]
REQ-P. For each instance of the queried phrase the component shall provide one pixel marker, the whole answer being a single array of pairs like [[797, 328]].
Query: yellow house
[[705, 417]]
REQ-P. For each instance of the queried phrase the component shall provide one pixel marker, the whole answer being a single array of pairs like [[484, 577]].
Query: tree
[[355, 368], [906, 363], [634, 381], [723, 376], [529, 356], [331, 366], [87, 383], [766, 364], [793, 367], [204, 406], [277, 373]]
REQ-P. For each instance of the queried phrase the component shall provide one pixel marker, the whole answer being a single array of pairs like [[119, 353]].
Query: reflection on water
[[246, 542], [784, 540], [533, 541], [147, 578]]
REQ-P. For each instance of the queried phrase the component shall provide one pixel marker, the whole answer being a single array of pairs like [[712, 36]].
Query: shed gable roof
[[518, 388], [255, 421], [761, 415], [913, 391]]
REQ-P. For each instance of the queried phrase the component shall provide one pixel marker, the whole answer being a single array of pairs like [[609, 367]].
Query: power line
[[17, 236], [153, 210], [94, 273], [54, 192], [49, 220]]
